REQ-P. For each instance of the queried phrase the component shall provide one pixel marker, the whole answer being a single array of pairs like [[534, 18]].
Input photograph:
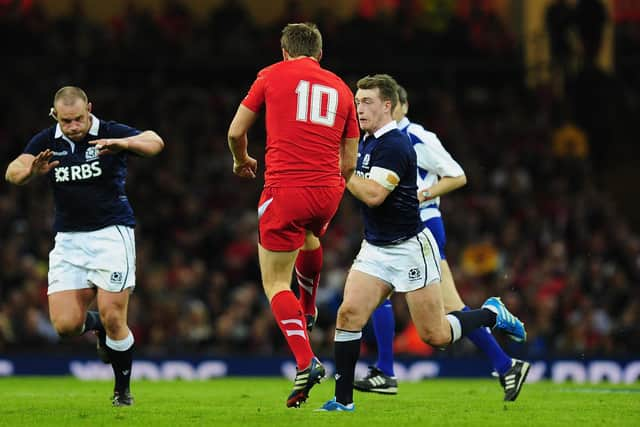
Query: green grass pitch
[[64, 401]]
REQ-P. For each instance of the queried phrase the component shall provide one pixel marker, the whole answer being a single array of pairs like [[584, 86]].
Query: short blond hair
[[68, 95]]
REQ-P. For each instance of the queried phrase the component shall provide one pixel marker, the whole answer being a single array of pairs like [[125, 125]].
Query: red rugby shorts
[[286, 213]]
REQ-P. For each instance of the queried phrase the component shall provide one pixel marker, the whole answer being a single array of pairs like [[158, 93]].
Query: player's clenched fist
[[246, 168]]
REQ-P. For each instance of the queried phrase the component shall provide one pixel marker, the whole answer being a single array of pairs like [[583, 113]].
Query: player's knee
[[113, 322], [350, 317], [68, 324]]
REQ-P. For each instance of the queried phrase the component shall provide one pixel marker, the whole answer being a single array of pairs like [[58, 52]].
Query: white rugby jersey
[[433, 162]]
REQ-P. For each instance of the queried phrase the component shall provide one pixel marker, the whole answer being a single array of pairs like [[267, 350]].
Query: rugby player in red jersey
[[311, 149]]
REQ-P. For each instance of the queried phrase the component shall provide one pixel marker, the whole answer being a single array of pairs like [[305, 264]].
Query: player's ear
[[285, 55], [89, 106], [319, 56], [53, 113]]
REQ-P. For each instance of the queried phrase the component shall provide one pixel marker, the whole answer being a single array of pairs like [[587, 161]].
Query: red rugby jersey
[[308, 112]]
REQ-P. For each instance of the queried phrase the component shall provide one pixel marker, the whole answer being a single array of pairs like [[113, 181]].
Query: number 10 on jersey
[[319, 93]]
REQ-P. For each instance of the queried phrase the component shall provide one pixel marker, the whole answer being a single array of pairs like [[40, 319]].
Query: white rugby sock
[[456, 327], [120, 345], [344, 336]]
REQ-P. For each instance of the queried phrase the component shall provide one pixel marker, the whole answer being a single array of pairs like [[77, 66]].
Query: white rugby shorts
[[105, 258], [409, 265]]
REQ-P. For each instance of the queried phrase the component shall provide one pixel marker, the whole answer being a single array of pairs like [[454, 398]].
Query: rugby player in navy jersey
[[438, 174], [398, 254], [85, 160]]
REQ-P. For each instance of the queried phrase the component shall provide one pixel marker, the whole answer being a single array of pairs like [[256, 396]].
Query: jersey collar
[[93, 130], [404, 123], [386, 128]]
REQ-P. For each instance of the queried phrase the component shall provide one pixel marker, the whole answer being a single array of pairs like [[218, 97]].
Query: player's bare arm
[[243, 164], [367, 191], [348, 157], [146, 144], [445, 185], [26, 167]]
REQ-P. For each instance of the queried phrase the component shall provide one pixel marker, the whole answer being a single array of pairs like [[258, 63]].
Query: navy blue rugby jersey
[[88, 189], [397, 218]]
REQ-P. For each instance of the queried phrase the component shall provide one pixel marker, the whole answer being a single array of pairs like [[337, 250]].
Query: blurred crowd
[[536, 223]]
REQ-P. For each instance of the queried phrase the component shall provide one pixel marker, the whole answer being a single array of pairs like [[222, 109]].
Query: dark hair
[[302, 39], [385, 83]]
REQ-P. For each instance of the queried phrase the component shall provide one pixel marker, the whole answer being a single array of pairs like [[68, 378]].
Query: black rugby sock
[[346, 356], [474, 319], [121, 362]]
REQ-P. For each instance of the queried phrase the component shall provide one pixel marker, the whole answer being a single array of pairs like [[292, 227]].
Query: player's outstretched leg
[[506, 321], [514, 379], [304, 381]]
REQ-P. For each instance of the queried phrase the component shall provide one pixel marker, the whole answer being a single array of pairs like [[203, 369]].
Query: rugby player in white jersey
[[398, 253], [85, 160]]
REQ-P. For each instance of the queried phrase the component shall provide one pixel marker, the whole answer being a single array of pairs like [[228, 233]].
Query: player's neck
[[293, 58]]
